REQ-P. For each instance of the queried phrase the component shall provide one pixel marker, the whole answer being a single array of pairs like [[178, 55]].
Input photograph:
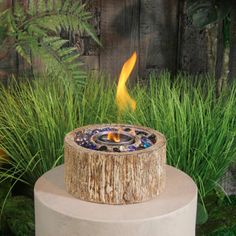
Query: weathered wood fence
[[158, 30]]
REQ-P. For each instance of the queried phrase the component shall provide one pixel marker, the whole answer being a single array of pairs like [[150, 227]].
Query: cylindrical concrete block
[[172, 213]]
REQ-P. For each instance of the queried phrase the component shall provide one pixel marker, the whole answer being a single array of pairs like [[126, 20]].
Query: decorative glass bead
[[116, 149], [132, 148], [127, 129], [95, 131], [138, 132], [152, 137], [103, 148], [146, 145]]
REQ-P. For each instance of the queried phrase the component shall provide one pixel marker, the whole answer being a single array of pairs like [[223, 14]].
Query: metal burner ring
[[101, 138]]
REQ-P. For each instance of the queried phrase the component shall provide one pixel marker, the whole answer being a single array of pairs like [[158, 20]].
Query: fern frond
[[50, 5], [60, 61], [34, 31], [68, 51], [66, 6], [55, 42], [7, 20], [90, 31], [32, 9], [22, 52], [71, 16], [19, 12], [57, 5], [42, 6]]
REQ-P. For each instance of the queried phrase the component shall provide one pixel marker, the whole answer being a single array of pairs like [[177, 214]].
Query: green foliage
[[35, 33], [3, 193], [19, 214], [222, 217], [202, 215], [204, 12], [34, 119], [2, 34], [97, 103], [200, 129], [17, 217]]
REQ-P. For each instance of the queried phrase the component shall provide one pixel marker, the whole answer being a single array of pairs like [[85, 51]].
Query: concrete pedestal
[[173, 213]]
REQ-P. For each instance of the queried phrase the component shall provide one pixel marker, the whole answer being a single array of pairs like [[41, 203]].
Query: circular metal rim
[[96, 139]]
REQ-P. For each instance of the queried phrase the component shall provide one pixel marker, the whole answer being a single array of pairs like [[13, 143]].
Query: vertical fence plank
[[194, 47], [149, 27], [158, 35], [87, 48], [119, 34]]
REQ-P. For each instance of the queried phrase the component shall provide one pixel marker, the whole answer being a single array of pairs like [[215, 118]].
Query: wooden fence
[[158, 30]]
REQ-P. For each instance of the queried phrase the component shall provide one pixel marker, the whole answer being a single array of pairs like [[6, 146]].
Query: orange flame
[[115, 137], [123, 98]]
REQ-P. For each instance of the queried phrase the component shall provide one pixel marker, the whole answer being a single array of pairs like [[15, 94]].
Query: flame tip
[[123, 98]]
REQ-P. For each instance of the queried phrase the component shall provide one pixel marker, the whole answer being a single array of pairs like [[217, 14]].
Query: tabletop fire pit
[[115, 164]]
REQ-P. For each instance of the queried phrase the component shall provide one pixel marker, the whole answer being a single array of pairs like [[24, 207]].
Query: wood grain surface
[[112, 177]]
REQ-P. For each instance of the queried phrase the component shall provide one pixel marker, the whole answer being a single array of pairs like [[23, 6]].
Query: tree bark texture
[[114, 178]]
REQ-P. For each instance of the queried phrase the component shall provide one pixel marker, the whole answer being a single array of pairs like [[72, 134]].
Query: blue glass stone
[[146, 142], [132, 148], [146, 145], [106, 129], [92, 146]]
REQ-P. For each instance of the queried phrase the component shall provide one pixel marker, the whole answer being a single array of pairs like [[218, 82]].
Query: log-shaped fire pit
[[115, 164]]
